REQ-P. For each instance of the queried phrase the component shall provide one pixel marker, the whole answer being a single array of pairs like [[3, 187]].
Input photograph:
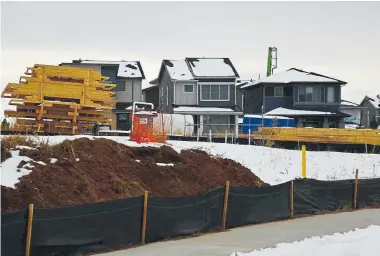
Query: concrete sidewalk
[[258, 236]]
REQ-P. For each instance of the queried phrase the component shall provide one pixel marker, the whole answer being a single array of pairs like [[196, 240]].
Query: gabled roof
[[196, 68], [128, 69], [295, 75], [212, 67], [244, 83], [375, 101]]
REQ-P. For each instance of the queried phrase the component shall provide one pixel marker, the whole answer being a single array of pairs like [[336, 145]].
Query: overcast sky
[[338, 39]]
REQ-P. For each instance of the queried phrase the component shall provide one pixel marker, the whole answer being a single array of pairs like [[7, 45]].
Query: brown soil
[[108, 170]]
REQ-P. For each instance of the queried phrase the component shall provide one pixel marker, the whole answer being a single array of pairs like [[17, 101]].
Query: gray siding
[[368, 114], [166, 91], [132, 91], [185, 98], [240, 99], [221, 104]]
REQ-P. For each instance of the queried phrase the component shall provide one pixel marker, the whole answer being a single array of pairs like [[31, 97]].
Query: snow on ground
[[10, 173], [273, 166], [163, 164], [355, 242], [276, 166]]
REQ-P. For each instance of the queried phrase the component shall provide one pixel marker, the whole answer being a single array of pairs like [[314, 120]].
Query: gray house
[[371, 117], [312, 99], [201, 87], [128, 76]]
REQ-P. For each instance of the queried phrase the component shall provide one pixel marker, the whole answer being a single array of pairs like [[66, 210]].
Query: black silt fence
[[173, 217], [368, 194], [89, 228], [314, 196], [247, 205], [13, 233]]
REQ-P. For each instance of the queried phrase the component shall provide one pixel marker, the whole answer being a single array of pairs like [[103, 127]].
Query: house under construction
[[59, 100]]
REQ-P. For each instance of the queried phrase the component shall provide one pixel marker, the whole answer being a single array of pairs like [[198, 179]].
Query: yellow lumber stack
[[320, 135], [58, 99]]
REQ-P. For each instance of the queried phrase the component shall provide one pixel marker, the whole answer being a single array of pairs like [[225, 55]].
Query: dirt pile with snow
[[88, 171]]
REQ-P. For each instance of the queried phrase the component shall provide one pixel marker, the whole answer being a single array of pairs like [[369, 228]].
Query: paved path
[[258, 236]]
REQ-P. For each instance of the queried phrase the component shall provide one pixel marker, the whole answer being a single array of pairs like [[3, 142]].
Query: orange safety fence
[[144, 129]]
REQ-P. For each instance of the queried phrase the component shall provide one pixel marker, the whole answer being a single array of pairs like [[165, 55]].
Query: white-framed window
[[188, 88], [278, 91], [330, 94], [215, 92]]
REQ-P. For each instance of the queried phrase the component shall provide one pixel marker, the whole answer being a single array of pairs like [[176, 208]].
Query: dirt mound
[[87, 171]]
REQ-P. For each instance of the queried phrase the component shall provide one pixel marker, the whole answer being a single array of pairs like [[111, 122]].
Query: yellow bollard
[[303, 161]]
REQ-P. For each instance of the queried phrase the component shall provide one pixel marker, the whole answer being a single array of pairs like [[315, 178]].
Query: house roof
[[295, 75], [178, 69], [203, 110], [212, 67], [128, 69], [195, 68], [297, 112], [375, 101], [241, 83]]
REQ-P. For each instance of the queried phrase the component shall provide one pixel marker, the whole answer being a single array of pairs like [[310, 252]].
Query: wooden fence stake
[[356, 188], [291, 199], [225, 205], [303, 161], [145, 212], [29, 231]]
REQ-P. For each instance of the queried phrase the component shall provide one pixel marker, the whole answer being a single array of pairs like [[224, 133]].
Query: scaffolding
[[55, 99]]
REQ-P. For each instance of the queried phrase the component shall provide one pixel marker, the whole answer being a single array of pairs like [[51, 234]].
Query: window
[[330, 94], [215, 92], [309, 94], [188, 88], [278, 92]]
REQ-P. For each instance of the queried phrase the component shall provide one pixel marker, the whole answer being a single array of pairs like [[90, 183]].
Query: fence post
[[225, 205], [303, 161], [29, 231], [198, 134], [356, 188], [291, 200], [145, 212], [209, 132], [225, 137], [249, 136]]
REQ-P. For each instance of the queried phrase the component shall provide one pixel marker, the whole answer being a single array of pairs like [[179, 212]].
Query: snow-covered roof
[[129, 69], [375, 101], [267, 117], [245, 83], [295, 112], [212, 67], [178, 69], [294, 75], [203, 110]]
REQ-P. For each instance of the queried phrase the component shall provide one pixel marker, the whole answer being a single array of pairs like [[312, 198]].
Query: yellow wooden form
[[78, 97], [320, 135]]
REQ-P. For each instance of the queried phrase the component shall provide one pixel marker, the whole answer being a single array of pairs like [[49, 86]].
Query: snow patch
[[295, 112], [163, 164], [53, 160], [138, 160], [10, 173], [25, 147], [178, 70], [211, 67], [355, 242], [77, 159]]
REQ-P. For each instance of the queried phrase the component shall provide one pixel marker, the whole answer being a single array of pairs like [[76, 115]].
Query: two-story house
[[372, 116], [128, 76], [312, 99], [201, 87]]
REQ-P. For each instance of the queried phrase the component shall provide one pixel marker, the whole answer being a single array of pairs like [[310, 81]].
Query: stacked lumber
[[59, 99]]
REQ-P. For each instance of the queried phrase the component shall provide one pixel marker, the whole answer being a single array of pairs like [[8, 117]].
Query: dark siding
[[276, 102], [253, 100], [152, 96]]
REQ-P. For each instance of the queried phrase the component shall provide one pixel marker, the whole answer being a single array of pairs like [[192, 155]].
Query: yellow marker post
[[303, 161]]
